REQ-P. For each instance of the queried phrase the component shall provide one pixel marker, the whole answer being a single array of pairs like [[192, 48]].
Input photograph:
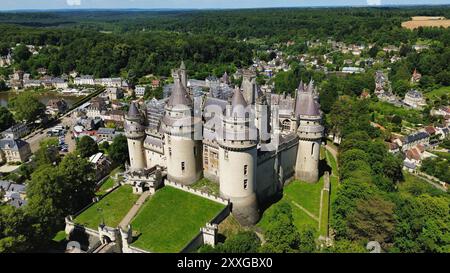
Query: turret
[[182, 151], [238, 161], [262, 118], [249, 86], [135, 133], [310, 133]]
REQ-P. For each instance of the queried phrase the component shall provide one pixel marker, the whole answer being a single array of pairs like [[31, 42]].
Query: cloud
[[73, 2], [374, 2]]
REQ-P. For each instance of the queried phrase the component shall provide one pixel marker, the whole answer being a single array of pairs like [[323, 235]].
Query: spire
[[310, 86], [301, 86], [179, 95], [182, 66], [225, 77]]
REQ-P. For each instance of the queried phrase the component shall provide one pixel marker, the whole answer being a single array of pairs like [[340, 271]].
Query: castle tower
[[249, 86], [135, 133], [310, 132], [238, 161], [262, 118], [182, 151]]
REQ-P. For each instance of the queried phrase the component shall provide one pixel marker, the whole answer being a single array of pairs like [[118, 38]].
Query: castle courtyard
[[170, 219]]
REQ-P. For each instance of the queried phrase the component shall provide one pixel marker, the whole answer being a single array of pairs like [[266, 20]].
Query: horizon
[[144, 5]]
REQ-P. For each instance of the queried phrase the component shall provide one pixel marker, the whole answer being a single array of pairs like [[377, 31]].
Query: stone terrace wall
[[197, 192]]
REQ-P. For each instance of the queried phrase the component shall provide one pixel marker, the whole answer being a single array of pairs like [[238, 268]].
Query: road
[[36, 137]]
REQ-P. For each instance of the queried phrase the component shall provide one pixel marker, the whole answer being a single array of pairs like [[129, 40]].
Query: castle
[[249, 141]]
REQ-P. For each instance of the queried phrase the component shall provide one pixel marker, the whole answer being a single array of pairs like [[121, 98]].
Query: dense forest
[[135, 43]]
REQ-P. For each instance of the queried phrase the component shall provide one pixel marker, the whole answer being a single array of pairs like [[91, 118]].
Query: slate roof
[[415, 137], [12, 144], [133, 111]]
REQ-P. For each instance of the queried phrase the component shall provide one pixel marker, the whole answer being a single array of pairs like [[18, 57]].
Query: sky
[[198, 4]]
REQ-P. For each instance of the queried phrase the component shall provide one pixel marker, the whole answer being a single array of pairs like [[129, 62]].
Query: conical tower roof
[[133, 111], [182, 66], [305, 103], [238, 98], [238, 104], [179, 95]]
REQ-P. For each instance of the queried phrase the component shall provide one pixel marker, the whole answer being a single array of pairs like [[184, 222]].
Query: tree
[[423, 224], [281, 235], [14, 230], [86, 146], [3, 86], [104, 147], [307, 240], [346, 246], [401, 87], [372, 220], [27, 107], [242, 242], [6, 118], [118, 151], [21, 53], [48, 152]]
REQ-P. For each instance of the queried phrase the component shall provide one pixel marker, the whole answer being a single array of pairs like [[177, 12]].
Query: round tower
[[310, 133], [135, 133], [238, 161], [183, 152]]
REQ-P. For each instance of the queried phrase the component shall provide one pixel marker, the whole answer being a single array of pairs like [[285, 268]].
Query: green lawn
[[384, 109], [304, 194], [437, 93], [206, 185], [307, 195], [332, 162], [325, 213], [60, 236], [112, 207], [416, 186], [108, 184], [171, 219]]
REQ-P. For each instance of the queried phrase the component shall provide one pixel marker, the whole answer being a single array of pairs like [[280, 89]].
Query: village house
[[57, 106], [13, 194], [114, 93], [5, 61], [393, 147], [107, 134], [415, 139], [14, 150], [16, 131], [416, 76], [102, 165], [442, 132], [84, 80], [139, 90], [414, 99], [95, 108]]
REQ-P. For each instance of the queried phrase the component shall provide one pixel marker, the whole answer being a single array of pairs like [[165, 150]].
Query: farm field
[[425, 21]]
